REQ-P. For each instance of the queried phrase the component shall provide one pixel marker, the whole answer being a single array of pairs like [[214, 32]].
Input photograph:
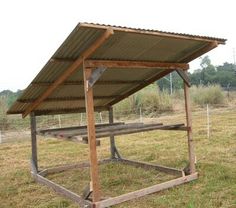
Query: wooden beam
[[91, 135], [112, 139], [63, 191], [63, 111], [145, 191], [189, 131], [69, 71], [147, 166], [99, 82], [136, 130], [34, 141], [184, 77], [62, 60], [67, 99], [48, 131], [134, 64]]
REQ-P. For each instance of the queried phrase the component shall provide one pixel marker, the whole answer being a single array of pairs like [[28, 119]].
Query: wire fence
[[205, 120]]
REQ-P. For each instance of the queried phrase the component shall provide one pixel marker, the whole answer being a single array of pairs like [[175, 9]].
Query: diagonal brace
[[184, 76], [96, 74]]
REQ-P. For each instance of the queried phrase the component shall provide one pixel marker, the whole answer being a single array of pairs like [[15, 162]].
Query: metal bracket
[[87, 191], [184, 77], [96, 74], [117, 153]]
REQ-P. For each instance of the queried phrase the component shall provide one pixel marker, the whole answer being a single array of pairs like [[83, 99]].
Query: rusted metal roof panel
[[125, 44]]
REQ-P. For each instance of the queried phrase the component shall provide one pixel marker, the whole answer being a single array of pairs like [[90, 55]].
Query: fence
[[204, 120]]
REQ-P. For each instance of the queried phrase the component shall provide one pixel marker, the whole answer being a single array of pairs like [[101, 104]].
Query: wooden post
[[112, 138], [34, 140], [189, 130], [88, 91]]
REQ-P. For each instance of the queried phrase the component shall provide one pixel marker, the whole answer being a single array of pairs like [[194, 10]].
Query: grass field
[[216, 164]]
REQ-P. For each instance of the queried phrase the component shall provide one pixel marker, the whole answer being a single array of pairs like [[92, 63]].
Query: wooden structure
[[109, 63]]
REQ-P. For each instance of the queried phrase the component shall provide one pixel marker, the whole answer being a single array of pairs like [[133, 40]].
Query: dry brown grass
[[216, 186]]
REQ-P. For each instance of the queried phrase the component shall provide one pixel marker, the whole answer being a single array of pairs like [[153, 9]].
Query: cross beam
[[135, 64], [69, 71]]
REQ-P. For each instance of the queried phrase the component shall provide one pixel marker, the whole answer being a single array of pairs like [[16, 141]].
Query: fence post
[[81, 119], [208, 122], [59, 120], [100, 115], [140, 115]]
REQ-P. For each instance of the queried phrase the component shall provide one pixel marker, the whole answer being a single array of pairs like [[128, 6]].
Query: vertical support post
[[208, 122], [112, 139], [34, 140], [189, 132], [88, 91]]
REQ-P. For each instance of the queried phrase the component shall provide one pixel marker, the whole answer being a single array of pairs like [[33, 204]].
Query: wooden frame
[[92, 71], [88, 91], [135, 64], [40, 177], [111, 130]]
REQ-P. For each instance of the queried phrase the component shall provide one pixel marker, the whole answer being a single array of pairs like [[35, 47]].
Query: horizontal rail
[[137, 130], [172, 171], [145, 191]]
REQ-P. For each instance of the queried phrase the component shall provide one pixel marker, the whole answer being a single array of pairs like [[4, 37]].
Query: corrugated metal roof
[[126, 44]]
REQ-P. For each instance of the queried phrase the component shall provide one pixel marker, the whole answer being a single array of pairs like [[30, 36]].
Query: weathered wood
[[112, 139], [77, 139], [136, 130], [83, 131], [76, 127], [96, 74], [69, 71], [135, 64], [34, 141], [99, 82], [184, 77], [172, 171], [33, 167], [109, 128], [66, 99], [189, 131], [146, 191], [63, 111], [63, 191], [88, 91]]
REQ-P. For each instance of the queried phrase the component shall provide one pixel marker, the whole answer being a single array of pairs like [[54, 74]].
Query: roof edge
[[154, 32]]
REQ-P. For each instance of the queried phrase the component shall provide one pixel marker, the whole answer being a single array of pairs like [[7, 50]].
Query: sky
[[31, 31]]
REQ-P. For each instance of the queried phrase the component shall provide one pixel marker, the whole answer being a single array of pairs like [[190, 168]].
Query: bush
[[127, 106], [154, 102], [207, 95], [150, 99]]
